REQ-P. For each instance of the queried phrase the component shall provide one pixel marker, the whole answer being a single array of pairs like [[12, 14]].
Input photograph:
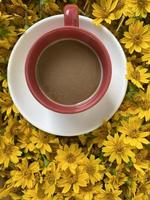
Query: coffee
[[68, 71]]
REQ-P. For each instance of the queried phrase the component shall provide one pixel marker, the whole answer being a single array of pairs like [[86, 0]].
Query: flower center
[[59, 196], [72, 179], [145, 104], [136, 75], [120, 5], [90, 169], [109, 196], [104, 13], [142, 3], [127, 104], [20, 11], [4, 52], [45, 138], [50, 178], [119, 149], [5, 100], [14, 130], [40, 193], [27, 174], [37, 177], [139, 157], [143, 189], [134, 133], [8, 149], [136, 39], [70, 158], [88, 188]]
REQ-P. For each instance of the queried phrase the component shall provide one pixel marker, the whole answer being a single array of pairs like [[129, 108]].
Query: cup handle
[[71, 16]]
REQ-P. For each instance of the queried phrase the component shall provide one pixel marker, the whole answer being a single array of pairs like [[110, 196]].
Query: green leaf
[[72, 1], [46, 162], [129, 164], [101, 156]]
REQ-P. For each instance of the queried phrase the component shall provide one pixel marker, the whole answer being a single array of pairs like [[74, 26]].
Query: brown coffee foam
[[68, 72]]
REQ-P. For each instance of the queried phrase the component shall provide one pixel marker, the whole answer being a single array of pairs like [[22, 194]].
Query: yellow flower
[[58, 196], [137, 75], [52, 175], [144, 105], [141, 7], [6, 104], [144, 188], [139, 197], [11, 128], [43, 141], [5, 191], [4, 44], [73, 181], [50, 7], [25, 142], [24, 134], [141, 163], [4, 54], [37, 193], [94, 170], [70, 157], [8, 35], [90, 192], [109, 194], [146, 56], [8, 152], [19, 8], [24, 15], [24, 174], [131, 184], [83, 139], [116, 149], [129, 10], [118, 178], [138, 37], [119, 9], [2, 71], [134, 136], [10, 193], [19, 3], [101, 134], [24, 126], [104, 11], [127, 108], [131, 20]]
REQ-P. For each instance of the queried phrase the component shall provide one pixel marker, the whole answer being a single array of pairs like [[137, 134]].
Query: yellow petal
[[66, 188], [125, 158], [76, 188]]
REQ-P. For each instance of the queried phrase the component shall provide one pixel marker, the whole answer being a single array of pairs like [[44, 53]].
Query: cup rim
[[58, 34]]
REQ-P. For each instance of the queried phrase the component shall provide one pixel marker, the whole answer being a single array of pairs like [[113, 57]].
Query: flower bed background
[[112, 162]]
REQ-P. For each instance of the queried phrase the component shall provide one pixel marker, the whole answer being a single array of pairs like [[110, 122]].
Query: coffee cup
[[68, 70]]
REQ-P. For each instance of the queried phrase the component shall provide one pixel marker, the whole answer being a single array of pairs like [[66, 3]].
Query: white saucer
[[66, 124]]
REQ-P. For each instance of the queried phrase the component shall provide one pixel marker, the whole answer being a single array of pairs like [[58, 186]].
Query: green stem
[[40, 8], [120, 23]]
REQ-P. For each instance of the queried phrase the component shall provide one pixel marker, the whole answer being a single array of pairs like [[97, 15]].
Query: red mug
[[72, 30]]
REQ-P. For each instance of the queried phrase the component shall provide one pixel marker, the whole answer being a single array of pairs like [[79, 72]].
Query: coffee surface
[[68, 72]]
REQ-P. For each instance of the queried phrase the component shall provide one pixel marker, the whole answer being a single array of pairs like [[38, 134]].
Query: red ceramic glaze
[[71, 17], [71, 30]]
